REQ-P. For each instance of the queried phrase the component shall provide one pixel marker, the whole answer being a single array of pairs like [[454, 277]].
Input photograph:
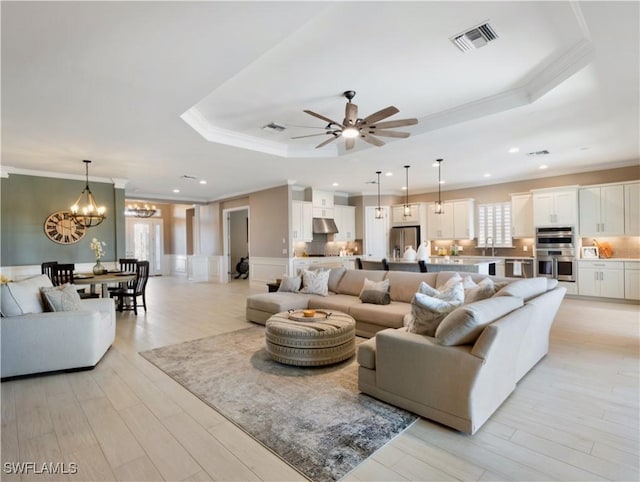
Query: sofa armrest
[[417, 368]]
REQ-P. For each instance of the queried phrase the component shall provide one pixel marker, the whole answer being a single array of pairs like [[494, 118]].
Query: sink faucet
[[491, 243]]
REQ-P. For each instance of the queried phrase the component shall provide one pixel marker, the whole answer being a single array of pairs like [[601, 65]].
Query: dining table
[[102, 279]]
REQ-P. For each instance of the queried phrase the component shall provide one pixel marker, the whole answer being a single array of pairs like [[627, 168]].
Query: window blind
[[494, 222]]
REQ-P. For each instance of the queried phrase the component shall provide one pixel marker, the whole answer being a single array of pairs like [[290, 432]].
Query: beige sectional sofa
[[458, 377]]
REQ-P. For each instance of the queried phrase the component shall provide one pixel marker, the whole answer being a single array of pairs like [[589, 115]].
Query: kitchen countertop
[[608, 259]]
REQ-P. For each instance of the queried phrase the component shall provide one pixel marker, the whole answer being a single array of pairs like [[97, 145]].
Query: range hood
[[324, 226]]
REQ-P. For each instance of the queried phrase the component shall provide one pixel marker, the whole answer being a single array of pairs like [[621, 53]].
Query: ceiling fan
[[367, 129]]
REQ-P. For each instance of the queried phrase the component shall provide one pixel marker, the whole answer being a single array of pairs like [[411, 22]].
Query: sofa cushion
[[403, 285], [366, 355], [375, 297], [335, 275], [352, 281], [551, 283], [391, 315], [477, 291], [23, 297], [315, 282], [381, 286], [277, 302], [524, 288], [334, 302], [465, 324], [290, 284], [428, 311], [61, 298]]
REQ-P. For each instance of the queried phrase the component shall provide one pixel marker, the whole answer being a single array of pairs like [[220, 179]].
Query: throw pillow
[[290, 284], [453, 280], [368, 285], [428, 311], [477, 291], [465, 324], [23, 297], [315, 282], [375, 297], [61, 298], [426, 289]]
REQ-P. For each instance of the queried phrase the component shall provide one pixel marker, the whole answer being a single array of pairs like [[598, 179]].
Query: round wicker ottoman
[[311, 343]]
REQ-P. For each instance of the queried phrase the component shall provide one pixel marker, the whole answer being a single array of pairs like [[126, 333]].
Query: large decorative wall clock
[[61, 228]]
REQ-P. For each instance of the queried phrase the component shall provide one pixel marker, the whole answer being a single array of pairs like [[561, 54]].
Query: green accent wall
[[26, 201]]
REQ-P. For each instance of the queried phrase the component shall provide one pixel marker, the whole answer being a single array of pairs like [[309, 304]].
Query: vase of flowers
[[97, 248]]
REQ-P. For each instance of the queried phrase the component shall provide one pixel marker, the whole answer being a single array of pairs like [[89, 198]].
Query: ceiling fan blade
[[350, 114], [349, 143], [402, 135], [310, 135], [372, 140], [326, 119], [322, 144], [394, 123], [381, 114]]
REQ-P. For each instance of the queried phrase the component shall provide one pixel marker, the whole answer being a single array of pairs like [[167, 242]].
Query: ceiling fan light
[[350, 132]]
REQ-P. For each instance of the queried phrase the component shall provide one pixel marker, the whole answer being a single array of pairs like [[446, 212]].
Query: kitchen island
[[435, 264]]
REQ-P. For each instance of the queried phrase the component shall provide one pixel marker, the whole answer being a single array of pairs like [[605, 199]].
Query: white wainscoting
[[263, 270], [178, 263], [216, 269], [197, 268]]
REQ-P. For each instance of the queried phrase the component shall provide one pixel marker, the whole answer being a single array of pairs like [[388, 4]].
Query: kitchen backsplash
[[469, 248], [324, 246], [623, 246]]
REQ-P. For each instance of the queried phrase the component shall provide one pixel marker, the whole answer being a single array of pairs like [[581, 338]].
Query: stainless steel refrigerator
[[402, 237]]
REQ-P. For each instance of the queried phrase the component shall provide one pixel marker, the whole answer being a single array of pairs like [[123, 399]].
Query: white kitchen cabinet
[[415, 217], [602, 210], [440, 226], [463, 219], [601, 278], [555, 207], [345, 218], [522, 216], [632, 209], [322, 199], [301, 222], [323, 213], [376, 234], [632, 280]]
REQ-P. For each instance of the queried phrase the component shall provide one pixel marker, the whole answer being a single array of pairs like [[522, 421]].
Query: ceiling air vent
[[538, 153], [474, 38], [273, 127]]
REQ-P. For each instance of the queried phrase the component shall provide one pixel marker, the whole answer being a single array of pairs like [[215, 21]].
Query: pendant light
[[439, 209], [89, 214], [407, 208], [379, 208]]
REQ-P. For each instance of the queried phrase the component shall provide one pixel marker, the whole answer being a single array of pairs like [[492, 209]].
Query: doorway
[[144, 241], [236, 243]]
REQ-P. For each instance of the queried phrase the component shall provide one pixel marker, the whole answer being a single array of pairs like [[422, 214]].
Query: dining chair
[[127, 265], [358, 263], [47, 268], [62, 273], [130, 295]]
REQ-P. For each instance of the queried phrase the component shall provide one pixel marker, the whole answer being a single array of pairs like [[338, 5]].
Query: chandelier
[[145, 211], [439, 208], [88, 214], [379, 208]]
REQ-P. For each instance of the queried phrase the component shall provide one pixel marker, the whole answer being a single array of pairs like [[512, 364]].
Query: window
[[494, 223]]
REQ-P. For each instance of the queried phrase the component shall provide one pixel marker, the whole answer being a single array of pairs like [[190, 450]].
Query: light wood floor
[[574, 417]]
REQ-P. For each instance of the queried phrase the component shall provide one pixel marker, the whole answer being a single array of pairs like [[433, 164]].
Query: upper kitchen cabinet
[[463, 219], [602, 210], [555, 207], [415, 217], [322, 203], [345, 218], [440, 226], [457, 221], [632, 209], [301, 222], [522, 216]]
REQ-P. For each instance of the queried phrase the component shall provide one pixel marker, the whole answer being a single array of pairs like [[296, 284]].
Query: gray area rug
[[313, 418]]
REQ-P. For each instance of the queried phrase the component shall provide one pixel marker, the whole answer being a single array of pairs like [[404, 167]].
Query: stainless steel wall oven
[[555, 253]]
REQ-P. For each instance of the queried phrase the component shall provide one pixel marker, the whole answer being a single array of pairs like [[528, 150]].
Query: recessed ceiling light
[[202, 181], [404, 188], [435, 164], [335, 184], [487, 175], [442, 182], [388, 173], [513, 150], [544, 166], [176, 190]]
